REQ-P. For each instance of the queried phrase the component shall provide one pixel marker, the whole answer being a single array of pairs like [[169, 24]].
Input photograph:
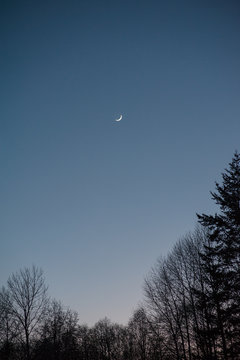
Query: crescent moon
[[119, 119]]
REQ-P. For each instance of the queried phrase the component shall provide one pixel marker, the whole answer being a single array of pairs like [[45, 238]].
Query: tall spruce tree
[[221, 262]]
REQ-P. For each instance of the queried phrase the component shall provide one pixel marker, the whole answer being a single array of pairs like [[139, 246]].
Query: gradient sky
[[91, 201]]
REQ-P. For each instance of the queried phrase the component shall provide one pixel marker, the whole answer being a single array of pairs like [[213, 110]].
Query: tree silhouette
[[28, 299], [221, 261]]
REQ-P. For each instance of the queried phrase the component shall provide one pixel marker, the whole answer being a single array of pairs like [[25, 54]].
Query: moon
[[119, 119]]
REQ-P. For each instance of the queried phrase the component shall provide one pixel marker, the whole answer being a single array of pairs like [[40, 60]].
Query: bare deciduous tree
[[171, 299], [59, 332], [8, 325], [28, 298]]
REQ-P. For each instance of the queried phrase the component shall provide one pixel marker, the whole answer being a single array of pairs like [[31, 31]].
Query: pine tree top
[[227, 197]]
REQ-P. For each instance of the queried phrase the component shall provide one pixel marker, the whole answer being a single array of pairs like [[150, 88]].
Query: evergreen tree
[[221, 262]]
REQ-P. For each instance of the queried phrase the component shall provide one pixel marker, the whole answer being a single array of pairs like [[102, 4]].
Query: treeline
[[191, 309]]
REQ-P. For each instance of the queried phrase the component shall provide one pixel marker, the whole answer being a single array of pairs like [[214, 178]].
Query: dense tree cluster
[[191, 309]]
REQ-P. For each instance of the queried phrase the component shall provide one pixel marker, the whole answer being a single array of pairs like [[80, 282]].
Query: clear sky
[[91, 201]]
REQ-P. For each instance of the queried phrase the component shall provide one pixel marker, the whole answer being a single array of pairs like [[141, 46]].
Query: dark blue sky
[[91, 201]]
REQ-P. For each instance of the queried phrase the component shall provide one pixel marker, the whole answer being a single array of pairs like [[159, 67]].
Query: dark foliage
[[221, 262]]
